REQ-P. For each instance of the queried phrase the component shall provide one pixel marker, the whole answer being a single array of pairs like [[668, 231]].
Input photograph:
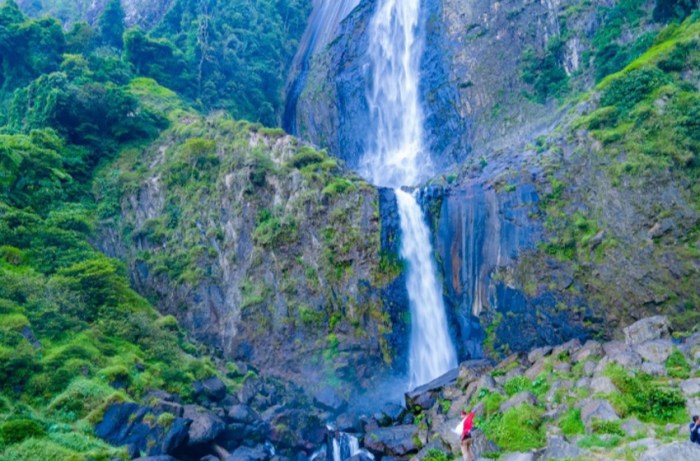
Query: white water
[[395, 158]]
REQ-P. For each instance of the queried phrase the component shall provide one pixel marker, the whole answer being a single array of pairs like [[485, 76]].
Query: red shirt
[[467, 425]]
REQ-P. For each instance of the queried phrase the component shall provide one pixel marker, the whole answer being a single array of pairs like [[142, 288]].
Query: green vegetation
[[571, 424], [517, 429], [677, 365], [544, 71], [639, 395]]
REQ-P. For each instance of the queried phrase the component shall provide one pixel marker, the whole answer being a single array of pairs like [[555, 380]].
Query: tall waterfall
[[395, 158]]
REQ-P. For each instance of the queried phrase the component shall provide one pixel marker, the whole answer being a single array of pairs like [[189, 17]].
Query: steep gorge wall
[[144, 13]]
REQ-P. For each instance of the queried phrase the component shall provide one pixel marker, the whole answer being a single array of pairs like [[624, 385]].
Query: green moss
[[607, 427]]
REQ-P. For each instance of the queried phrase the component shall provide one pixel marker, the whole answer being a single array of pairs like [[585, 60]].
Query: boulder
[[648, 329], [519, 457], [654, 369], [559, 448], [535, 370], [435, 444], [562, 367], [633, 428], [348, 422], [508, 361], [615, 347], [673, 451], [156, 458], [629, 360], [328, 399], [645, 443], [471, 370], [692, 406], [484, 382], [588, 368], [602, 385], [393, 412], [656, 351], [394, 441], [481, 444], [177, 436], [590, 350], [596, 409], [539, 353], [248, 454], [556, 388], [206, 425], [518, 399], [568, 348], [242, 414], [691, 387], [212, 388], [423, 400]]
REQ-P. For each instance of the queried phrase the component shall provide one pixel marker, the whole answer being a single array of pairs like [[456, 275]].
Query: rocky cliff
[[265, 249]]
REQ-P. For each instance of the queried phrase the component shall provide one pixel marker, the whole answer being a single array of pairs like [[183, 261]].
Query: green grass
[[518, 429], [571, 423]]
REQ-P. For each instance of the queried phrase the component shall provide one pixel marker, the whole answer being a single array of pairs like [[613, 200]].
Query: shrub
[[517, 384], [17, 430], [518, 429], [434, 454], [607, 427], [81, 396], [305, 157], [677, 365], [626, 90], [571, 423]]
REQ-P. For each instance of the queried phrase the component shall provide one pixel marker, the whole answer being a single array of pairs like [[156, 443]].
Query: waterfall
[[396, 157], [431, 351]]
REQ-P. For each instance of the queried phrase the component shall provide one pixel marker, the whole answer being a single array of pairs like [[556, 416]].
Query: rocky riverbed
[[624, 399]]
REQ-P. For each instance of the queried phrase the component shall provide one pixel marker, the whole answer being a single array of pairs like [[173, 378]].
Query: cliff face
[[332, 112], [539, 236], [264, 249]]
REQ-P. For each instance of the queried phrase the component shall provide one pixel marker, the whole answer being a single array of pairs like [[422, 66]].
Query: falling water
[[395, 158]]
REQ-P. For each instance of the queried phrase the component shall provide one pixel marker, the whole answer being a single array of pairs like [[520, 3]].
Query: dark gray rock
[[329, 399], [559, 448], [177, 436], [348, 422], [394, 441], [212, 388], [393, 411], [248, 454], [539, 353], [242, 414], [518, 399], [206, 425], [597, 409], [157, 458]]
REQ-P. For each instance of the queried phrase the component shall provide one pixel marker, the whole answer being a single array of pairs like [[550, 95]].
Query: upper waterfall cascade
[[396, 157]]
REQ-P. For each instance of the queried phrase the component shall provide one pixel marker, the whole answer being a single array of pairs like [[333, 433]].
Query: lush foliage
[[73, 335]]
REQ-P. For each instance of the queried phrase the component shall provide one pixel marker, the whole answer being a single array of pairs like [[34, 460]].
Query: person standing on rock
[[694, 426], [466, 436]]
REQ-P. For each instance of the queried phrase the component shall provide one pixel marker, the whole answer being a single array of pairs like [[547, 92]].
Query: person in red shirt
[[466, 437]]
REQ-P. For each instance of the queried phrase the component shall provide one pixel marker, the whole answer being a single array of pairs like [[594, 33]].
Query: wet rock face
[[332, 109]]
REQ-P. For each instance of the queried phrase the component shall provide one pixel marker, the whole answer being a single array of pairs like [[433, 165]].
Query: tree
[[111, 25]]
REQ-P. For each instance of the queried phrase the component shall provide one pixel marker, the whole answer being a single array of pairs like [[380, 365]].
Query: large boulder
[[691, 387], [597, 409], [672, 452], [655, 351], [242, 414], [328, 399], [519, 457], [568, 348], [394, 441], [212, 388], [539, 353], [206, 425], [602, 385], [471, 370], [177, 436], [633, 427], [248, 454], [559, 448], [590, 350], [518, 399], [648, 329]]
